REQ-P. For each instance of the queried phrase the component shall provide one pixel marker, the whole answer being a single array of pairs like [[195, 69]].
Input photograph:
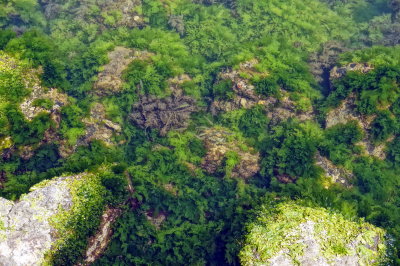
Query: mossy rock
[[291, 234], [57, 215]]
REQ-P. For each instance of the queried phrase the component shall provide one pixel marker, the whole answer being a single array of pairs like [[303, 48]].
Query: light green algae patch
[[293, 235], [74, 225]]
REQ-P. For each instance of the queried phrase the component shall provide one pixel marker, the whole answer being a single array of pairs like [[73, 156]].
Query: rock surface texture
[[99, 242], [345, 113], [28, 106], [26, 233], [97, 127], [338, 72]]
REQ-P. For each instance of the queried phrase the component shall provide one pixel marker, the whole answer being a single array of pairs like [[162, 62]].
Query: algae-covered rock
[[336, 174], [110, 79], [347, 112], [291, 234], [97, 127], [223, 147], [40, 222], [164, 114]]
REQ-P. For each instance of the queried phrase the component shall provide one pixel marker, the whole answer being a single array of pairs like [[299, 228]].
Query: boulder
[[26, 233], [291, 234]]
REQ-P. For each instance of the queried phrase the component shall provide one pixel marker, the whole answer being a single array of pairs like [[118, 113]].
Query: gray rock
[[25, 230]]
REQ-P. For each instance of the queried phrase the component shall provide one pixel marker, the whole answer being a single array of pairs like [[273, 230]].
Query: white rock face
[[25, 231]]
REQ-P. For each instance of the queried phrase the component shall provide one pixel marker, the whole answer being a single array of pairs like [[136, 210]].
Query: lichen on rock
[[45, 221], [291, 234]]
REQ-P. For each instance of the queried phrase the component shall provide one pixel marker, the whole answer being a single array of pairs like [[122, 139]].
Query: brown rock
[[109, 80], [337, 174], [338, 72], [165, 114], [99, 242], [38, 92], [98, 127], [156, 220], [218, 142], [345, 113]]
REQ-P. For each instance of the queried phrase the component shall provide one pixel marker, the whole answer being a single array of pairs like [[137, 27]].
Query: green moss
[[5, 143], [279, 229], [74, 226], [2, 226], [232, 158], [44, 103]]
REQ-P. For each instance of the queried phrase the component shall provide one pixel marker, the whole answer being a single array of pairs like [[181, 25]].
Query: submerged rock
[[345, 113], [337, 174], [338, 72], [97, 127], [104, 14], [291, 234], [49, 219], [165, 114], [109, 80], [221, 143], [99, 242], [245, 96], [26, 233], [40, 99]]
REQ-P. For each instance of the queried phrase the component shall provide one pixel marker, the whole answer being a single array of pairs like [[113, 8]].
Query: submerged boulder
[[291, 234], [26, 233], [38, 224]]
